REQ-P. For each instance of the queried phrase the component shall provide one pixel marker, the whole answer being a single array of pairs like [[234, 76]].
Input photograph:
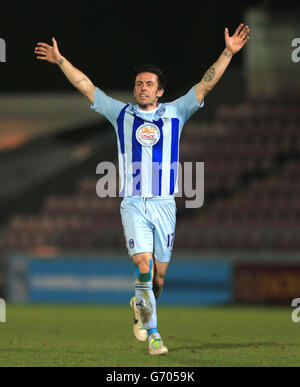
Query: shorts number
[[170, 240]]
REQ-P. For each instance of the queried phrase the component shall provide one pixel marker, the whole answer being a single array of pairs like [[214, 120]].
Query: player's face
[[146, 90]]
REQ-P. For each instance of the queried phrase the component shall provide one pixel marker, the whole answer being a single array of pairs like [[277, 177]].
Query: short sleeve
[[187, 105], [107, 106]]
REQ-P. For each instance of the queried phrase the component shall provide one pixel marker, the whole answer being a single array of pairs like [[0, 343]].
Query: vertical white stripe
[[121, 168], [147, 170], [179, 167], [128, 128], [166, 158], [121, 164]]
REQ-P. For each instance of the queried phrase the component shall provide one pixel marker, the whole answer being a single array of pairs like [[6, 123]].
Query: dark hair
[[148, 68]]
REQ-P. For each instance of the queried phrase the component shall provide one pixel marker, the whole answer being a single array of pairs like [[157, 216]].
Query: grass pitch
[[57, 336]]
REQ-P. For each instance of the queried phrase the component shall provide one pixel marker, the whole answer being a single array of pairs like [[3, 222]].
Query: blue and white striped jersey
[[148, 142]]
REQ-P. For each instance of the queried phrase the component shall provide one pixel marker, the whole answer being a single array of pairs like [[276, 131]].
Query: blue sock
[[153, 334]]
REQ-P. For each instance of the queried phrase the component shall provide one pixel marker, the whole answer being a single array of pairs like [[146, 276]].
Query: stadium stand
[[251, 153]]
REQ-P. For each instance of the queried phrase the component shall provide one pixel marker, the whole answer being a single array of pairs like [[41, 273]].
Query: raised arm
[[233, 44], [51, 54]]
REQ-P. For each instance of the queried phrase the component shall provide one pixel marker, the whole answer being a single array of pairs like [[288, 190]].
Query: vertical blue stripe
[[174, 154], [157, 156], [120, 123], [136, 158]]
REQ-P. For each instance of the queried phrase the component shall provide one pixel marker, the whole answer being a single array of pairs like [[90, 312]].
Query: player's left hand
[[238, 40]]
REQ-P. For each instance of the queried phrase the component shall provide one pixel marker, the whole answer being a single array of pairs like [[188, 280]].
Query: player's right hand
[[46, 52]]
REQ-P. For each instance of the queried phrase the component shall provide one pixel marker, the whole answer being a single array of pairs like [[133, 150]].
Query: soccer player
[[148, 136]]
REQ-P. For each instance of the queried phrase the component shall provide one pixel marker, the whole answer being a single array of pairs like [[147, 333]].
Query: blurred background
[[59, 242]]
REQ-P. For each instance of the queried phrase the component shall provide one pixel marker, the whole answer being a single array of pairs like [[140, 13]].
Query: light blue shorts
[[149, 225]]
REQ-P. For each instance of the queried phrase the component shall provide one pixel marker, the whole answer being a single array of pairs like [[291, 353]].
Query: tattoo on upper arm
[[210, 73], [82, 80]]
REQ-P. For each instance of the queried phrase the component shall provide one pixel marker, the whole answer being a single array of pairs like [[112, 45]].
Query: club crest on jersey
[[148, 134], [161, 111]]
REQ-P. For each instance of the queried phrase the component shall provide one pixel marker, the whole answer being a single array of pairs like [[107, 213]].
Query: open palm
[[238, 40], [46, 52]]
